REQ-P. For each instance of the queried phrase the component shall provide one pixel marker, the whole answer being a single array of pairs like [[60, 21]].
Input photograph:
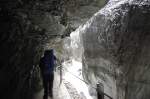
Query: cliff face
[[23, 34], [115, 43], [27, 27], [116, 49]]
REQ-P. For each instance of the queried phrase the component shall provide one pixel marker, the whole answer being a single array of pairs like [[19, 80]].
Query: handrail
[[87, 83]]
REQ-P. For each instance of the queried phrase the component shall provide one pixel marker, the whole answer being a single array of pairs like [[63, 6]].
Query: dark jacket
[[47, 63]]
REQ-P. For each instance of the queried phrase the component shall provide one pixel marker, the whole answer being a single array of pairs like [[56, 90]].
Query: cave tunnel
[[104, 42]]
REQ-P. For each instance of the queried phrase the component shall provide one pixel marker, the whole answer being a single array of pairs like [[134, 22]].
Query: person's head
[[48, 52]]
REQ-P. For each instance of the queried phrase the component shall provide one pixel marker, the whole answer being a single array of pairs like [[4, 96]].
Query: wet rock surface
[[115, 43], [116, 49], [27, 27]]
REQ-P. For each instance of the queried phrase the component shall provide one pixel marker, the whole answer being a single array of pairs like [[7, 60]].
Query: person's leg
[[45, 85], [51, 85]]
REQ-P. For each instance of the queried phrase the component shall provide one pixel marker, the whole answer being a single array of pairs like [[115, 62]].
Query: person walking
[[47, 65]]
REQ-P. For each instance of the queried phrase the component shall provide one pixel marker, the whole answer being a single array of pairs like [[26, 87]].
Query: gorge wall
[[27, 27], [116, 49], [115, 43]]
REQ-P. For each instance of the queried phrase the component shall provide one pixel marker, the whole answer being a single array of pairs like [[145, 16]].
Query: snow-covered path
[[73, 75], [72, 86], [59, 92]]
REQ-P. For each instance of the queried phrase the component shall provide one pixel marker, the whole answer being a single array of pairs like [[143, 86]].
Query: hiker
[[47, 65]]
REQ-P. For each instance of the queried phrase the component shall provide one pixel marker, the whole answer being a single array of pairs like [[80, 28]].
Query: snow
[[59, 91], [74, 76]]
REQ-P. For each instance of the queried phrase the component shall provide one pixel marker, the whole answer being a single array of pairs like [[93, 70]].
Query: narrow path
[[59, 92], [72, 91], [71, 87], [74, 80]]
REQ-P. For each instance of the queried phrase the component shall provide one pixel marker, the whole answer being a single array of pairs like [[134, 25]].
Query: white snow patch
[[75, 69]]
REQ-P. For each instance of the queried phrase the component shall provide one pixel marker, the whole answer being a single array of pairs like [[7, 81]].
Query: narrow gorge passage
[[73, 85], [102, 48]]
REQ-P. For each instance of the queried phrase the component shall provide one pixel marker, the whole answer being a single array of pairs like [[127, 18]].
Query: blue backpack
[[49, 60]]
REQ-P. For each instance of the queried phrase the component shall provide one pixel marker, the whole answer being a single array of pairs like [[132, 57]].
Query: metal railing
[[100, 91]]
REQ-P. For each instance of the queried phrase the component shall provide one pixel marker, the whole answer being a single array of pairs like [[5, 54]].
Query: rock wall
[[24, 34], [116, 49], [27, 27]]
